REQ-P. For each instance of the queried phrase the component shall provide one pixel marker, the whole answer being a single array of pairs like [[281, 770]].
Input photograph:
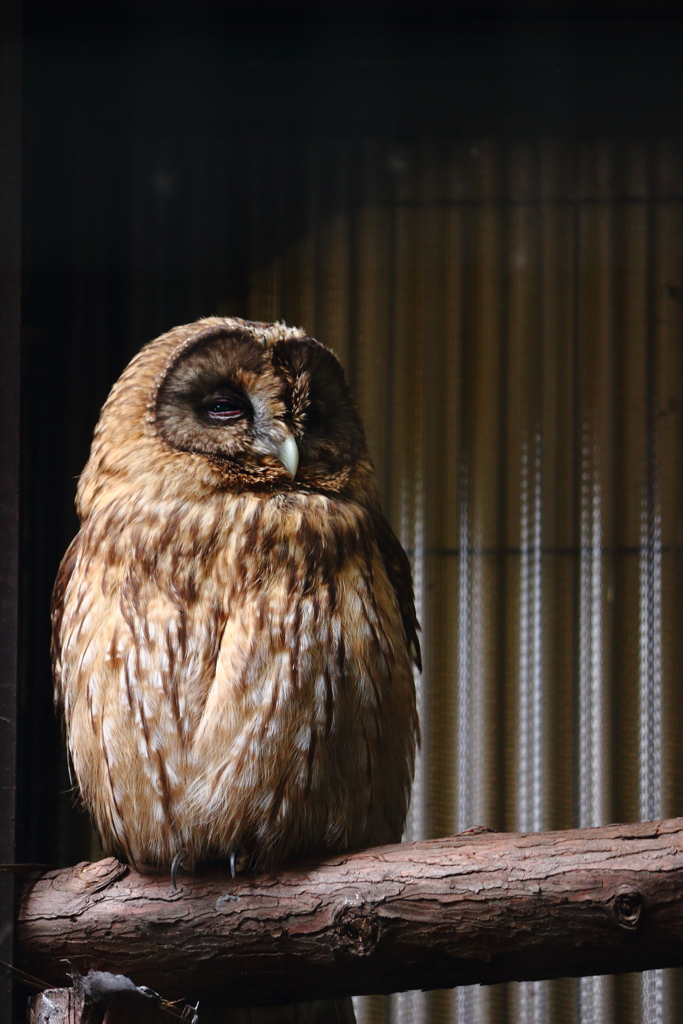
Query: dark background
[[147, 127], [150, 129]]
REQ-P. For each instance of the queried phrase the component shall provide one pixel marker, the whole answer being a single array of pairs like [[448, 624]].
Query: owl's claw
[[175, 864], [233, 863]]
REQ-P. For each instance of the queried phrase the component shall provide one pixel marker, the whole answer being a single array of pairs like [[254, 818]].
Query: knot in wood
[[628, 908], [92, 878], [358, 929]]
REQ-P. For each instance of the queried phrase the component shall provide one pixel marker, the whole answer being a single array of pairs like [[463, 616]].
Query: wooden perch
[[481, 907]]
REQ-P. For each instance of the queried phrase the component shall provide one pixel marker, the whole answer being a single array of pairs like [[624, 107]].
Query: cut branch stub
[[628, 907]]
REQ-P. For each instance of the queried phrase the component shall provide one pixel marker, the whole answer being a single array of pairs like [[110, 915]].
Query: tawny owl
[[234, 622]]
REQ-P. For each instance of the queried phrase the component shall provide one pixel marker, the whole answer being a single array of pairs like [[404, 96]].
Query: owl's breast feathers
[[235, 675]]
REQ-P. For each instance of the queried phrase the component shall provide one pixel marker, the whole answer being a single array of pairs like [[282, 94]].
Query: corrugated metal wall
[[511, 319]]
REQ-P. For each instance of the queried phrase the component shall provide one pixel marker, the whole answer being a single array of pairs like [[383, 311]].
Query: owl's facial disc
[[266, 416], [322, 413], [224, 401]]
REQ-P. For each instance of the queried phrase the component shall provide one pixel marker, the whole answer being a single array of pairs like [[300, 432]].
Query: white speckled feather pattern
[[231, 645]]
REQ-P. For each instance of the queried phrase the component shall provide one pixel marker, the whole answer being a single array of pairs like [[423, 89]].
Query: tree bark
[[476, 908]]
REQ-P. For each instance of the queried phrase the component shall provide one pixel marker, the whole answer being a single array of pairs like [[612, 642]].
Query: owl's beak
[[288, 454]]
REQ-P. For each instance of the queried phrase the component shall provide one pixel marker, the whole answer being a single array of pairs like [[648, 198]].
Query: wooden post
[[68, 1006]]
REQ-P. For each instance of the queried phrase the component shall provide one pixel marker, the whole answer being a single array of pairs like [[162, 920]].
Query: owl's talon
[[175, 864], [233, 863]]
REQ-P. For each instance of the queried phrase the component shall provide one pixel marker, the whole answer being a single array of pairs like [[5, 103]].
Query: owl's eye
[[224, 410]]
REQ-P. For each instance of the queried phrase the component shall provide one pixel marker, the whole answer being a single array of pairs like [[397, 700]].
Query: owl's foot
[[175, 864], [239, 861]]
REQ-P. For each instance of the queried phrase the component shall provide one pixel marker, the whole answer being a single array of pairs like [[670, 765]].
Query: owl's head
[[268, 406], [240, 405]]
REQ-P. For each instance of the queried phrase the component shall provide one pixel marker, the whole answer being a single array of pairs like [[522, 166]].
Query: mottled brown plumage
[[231, 641]]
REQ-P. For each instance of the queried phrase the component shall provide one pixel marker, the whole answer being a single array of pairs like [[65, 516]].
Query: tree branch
[[477, 908]]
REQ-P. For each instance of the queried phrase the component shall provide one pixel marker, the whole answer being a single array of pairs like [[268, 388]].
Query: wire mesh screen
[[511, 320]]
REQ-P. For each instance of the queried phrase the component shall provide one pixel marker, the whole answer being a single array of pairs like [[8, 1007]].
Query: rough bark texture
[[480, 907]]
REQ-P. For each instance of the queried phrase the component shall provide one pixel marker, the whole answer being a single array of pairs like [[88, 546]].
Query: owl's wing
[[66, 568], [398, 570]]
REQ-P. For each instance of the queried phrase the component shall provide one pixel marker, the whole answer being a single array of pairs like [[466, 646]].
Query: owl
[[233, 626]]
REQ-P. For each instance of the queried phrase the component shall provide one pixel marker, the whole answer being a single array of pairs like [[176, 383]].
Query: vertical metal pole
[[10, 235]]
